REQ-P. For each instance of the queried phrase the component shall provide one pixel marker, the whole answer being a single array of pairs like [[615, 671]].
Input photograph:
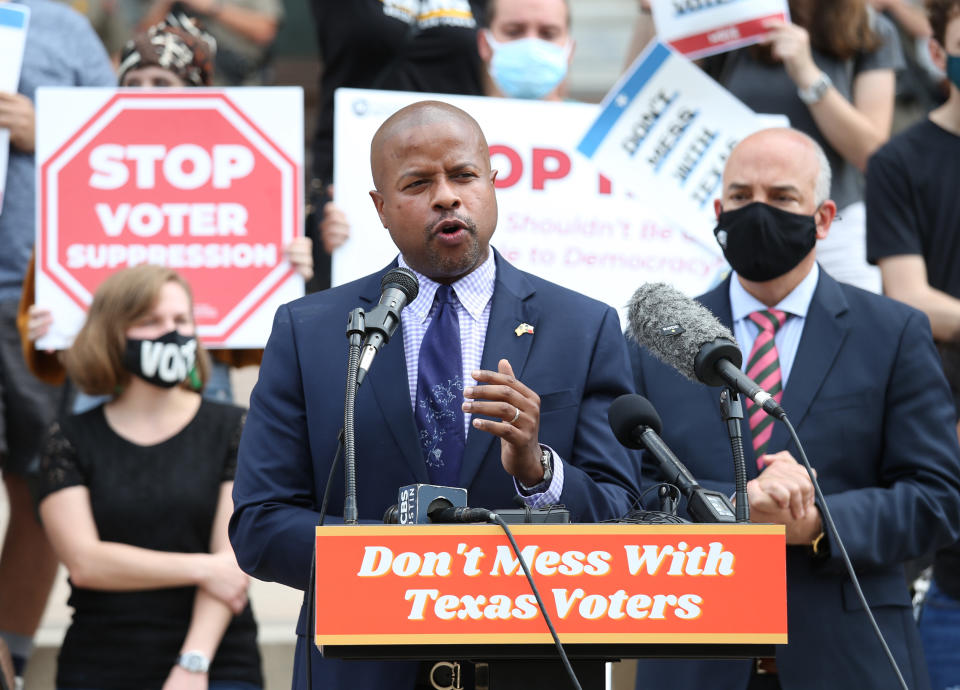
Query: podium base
[[524, 675]]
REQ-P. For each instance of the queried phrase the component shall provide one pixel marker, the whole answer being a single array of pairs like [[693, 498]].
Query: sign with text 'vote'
[[207, 182], [463, 584]]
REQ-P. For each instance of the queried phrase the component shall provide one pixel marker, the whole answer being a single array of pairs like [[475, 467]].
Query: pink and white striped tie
[[763, 366]]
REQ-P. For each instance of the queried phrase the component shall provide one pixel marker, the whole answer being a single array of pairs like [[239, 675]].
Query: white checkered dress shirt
[[474, 297]]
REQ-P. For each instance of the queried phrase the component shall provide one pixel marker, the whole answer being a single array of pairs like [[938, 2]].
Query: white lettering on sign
[[379, 560], [679, 560], [550, 562], [450, 607], [185, 166], [197, 220], [621, 604], [196, 255]]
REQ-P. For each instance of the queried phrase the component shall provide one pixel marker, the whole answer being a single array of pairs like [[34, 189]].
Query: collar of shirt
[[787, 340], [474, 298], [473, 291], [742, 303]]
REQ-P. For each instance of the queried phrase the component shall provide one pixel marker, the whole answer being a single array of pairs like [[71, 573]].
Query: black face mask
[[762, 242], [166, 361]]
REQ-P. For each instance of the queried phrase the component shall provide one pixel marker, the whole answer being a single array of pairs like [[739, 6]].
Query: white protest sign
[[665, 131], [205, 181], [14, 22], [698, 28], [558, 218]]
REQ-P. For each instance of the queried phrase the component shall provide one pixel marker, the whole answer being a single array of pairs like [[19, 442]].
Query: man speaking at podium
[[514, 358], [860, 380]]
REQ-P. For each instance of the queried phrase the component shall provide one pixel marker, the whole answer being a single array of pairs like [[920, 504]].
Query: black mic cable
[[536, 593], [835, 537], [441, 510]]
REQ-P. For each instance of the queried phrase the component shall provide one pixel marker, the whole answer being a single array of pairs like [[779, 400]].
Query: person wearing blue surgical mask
[[527, 48]]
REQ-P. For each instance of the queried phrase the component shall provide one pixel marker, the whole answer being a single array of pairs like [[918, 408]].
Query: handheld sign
[[665, 131], [14, 22], [698, 28], [204, 181]]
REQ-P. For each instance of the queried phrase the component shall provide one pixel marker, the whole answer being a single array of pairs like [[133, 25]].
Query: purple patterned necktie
[[438, 412], [763, 366]]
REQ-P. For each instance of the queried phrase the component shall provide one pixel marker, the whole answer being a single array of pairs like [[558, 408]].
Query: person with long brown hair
[[134, 496], [832, 72]]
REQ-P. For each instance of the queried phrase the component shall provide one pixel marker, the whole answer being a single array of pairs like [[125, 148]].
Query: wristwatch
[[814, 93], [546, 461], [194, 661]]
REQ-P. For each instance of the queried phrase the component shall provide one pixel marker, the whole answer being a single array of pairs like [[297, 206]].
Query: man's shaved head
[[435, 189], [803, 149], [388, 141]]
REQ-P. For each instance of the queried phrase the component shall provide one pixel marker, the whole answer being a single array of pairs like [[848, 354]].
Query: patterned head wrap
[[179, 45]]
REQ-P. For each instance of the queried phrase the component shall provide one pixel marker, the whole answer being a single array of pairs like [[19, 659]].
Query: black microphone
[[398, 288], [685, 335], [637, 425]]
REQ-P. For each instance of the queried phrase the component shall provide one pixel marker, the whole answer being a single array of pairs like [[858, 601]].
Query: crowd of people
[[842, 294]]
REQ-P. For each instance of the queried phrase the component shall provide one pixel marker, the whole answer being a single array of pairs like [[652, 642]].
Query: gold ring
[[516, 416]]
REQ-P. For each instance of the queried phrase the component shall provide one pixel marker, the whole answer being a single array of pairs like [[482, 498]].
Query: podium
[[612, 591]]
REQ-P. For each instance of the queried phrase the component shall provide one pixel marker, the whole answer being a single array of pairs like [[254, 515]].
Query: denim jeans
[[940, 634]]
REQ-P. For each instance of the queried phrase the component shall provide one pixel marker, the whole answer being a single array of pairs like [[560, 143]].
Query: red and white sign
[[453, 584], [207, 182], [698, 28]]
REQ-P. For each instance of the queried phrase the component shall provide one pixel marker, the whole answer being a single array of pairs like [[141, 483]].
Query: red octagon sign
[[185, 180]]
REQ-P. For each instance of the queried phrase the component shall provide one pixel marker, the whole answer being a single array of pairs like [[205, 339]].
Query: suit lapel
[[511, 307], [389, 387], [824, 331]]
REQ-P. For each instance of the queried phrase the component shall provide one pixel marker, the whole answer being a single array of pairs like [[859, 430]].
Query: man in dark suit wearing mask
[[859, 377]]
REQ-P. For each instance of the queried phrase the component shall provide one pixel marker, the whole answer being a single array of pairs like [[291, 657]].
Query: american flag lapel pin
[[523, 328]]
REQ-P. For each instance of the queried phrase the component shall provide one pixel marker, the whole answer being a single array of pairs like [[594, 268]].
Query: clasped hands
[[783, 494], [515, 410]]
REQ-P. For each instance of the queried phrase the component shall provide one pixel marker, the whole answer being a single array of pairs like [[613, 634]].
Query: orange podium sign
[[603, 583]]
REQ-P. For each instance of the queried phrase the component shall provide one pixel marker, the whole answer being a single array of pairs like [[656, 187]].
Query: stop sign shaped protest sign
[[183, 179]]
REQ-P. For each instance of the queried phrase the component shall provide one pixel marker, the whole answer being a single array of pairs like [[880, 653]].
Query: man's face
[[774, 168], [543, 19], [436, 197]]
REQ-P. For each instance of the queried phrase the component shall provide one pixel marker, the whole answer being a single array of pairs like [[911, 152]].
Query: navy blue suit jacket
[[575, 360], [874, 413]]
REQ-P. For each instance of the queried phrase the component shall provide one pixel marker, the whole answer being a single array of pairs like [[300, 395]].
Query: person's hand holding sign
[[791, 44], [17, 115]]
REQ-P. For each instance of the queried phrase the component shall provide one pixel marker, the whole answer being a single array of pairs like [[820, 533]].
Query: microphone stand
[[355, 332], [732, 411]]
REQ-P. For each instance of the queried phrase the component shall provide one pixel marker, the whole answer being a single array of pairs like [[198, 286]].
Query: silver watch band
[[815, 92]]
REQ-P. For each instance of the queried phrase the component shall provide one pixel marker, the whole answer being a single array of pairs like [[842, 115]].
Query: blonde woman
[[135, 498]]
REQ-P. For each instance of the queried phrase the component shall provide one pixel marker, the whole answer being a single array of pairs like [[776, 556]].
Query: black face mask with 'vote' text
[[165, 361]]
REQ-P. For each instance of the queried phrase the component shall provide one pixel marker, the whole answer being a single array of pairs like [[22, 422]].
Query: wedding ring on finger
[[516, 416]]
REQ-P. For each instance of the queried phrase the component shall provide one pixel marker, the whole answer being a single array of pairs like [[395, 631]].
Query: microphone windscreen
[[672, 326], [404, 280], [629, 412]]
